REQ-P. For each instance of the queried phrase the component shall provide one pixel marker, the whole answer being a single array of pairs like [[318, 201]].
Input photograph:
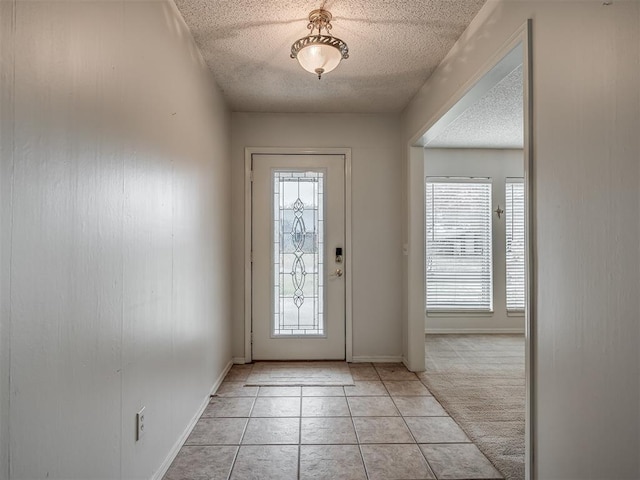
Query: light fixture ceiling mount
[[318, 53]]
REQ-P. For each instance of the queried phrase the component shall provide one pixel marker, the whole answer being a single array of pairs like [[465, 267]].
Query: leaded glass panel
[[298, 240]]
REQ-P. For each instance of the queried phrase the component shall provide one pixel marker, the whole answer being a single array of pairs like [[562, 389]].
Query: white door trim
[[248, 153]]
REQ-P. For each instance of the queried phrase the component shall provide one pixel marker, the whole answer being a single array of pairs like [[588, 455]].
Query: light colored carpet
[[479, 380], [300, 373]]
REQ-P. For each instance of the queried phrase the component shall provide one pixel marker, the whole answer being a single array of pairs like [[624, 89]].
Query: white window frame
[[510, 226], [488, 240]]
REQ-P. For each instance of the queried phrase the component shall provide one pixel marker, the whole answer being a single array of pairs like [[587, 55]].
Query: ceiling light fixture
[[318, 53]]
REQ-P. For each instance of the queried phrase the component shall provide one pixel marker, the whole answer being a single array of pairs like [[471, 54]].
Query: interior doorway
[[471, 172]]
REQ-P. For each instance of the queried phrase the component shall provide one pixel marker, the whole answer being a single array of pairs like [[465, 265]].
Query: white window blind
[[458, 256], [514, 219]]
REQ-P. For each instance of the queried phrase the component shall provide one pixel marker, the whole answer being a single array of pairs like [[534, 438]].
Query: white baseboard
[[462, 331], [377, 359], [173, 453], [239, 360]]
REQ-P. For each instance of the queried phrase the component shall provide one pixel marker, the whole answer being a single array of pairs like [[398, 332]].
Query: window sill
[[515, 313], [459, 313]]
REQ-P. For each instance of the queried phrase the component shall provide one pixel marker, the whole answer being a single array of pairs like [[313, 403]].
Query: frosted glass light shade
[[319, 58]]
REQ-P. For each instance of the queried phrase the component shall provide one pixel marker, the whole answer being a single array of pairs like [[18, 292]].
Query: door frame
[[248, 232]]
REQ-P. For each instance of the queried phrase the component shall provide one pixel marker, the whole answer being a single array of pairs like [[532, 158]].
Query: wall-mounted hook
[[499, 211]]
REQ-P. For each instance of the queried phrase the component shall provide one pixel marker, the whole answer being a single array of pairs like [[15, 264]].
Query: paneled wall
[[115, 236]]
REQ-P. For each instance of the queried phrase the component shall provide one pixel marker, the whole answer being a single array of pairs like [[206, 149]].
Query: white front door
[[298, 241]]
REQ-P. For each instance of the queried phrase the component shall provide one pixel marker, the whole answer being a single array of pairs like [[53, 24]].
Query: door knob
[[338, 272]]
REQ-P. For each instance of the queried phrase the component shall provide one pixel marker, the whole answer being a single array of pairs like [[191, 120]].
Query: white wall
[[377, 235], [586, 103], [497, 165], [118, 226]]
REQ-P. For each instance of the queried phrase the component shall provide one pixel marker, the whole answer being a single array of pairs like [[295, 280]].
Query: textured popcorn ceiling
[[394, 46], [494, 121]]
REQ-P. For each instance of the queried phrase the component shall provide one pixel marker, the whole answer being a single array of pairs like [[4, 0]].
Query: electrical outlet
[[140, 424]]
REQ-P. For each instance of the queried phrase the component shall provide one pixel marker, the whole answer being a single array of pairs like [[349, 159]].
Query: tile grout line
[[355, 431], [409, 429], [415, 440], [244, 431]]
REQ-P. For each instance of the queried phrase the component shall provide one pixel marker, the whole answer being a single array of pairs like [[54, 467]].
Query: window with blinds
[[514, 223], [458, 244]]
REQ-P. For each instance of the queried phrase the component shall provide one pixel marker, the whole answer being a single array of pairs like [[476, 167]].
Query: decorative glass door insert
[[298, 253]]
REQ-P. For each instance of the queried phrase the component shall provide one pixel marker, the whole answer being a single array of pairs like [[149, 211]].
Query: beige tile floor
[[386, 427]]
